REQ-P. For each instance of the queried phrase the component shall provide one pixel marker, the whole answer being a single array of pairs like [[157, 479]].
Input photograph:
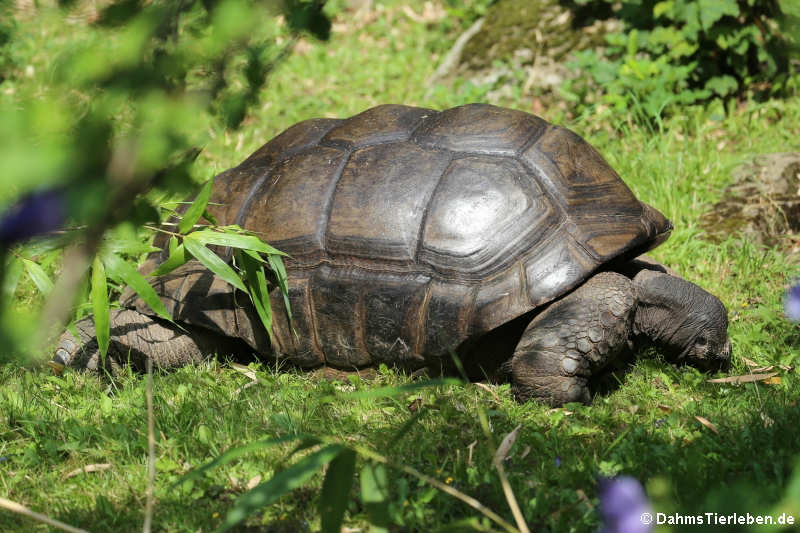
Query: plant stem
[[14, 507]]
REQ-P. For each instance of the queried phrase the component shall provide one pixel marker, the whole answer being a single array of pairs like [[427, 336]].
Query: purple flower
[[37, 213], [624, 506], [791, 303]]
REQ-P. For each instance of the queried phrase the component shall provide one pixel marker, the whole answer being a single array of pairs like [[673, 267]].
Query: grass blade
[[375, 495], [177, 257], [195, 210], [395, 391], [280, 484], [235, 240], [405, 428], [235, 453], [125, 271], [99, 297], [38, 275], [212, 261], [336, 491]]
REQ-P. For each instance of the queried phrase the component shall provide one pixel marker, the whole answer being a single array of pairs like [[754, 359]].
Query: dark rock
[[762, 204]]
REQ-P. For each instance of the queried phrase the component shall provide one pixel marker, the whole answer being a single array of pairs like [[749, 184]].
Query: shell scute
[[606, 216], [380, 200], [480, 128], [290, 206], [483, 211], [381, 124]]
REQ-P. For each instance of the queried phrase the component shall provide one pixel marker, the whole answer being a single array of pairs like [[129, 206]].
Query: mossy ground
[[646, 426]]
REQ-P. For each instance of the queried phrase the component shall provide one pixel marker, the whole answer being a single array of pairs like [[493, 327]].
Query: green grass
[[645, 427]]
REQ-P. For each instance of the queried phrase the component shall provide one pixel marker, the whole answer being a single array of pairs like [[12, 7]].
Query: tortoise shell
[[411, 231]]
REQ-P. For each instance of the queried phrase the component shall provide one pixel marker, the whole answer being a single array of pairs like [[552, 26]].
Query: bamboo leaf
[[11, 278], [276, 264], [125, 271], [177, 257], [336, 491], [257, 289], [375, 495], [39, 276], [211, 218], [234, 240], [280, 484], [212, 261], [195, 210], [99, 297], [128, 246]]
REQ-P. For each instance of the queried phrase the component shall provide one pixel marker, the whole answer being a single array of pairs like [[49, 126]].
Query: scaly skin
[[134, 337], [573, 339]]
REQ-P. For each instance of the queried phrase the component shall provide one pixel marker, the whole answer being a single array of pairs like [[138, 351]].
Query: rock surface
[[527, 43], [762, 204]]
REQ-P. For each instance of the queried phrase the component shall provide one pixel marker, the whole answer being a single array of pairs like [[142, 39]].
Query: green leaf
[[280, 484], [234, 453], [38, 275], [195, 210], [177, 257], [128, 246], [633, 43], [722, 85], [375, 495], [212, 261], [257, 288], [99, 297], [662, 7], [11, 279], [127, 273], [211, 218], [276, 264], [247, 242], [713, 10], [336, 491]]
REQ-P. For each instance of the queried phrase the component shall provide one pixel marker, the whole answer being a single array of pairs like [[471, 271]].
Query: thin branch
[[14, 507]]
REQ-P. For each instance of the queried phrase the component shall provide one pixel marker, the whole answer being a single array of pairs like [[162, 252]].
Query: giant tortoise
[[415, 234]]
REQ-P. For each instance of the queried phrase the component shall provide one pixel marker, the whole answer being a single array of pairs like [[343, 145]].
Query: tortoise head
[[689, 324]]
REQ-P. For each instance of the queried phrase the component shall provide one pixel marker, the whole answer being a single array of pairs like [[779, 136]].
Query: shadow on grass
[[647, 428]]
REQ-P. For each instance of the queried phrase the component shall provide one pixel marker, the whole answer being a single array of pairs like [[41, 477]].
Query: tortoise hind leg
[[573, 338], [135, 337]]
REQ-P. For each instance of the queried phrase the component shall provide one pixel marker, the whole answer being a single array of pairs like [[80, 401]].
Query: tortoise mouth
[[708, 362]]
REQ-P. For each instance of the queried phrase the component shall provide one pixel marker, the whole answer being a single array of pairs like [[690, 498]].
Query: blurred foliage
[[129, 94], [679, 52], [467, 10]]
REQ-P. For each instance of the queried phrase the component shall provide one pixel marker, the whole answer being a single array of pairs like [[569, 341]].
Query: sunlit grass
[[645, 426]]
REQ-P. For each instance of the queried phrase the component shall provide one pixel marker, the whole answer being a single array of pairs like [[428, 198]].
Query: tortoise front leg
[[573, 339]]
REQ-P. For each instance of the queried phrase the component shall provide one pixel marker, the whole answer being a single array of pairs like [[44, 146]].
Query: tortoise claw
[[65, 353]]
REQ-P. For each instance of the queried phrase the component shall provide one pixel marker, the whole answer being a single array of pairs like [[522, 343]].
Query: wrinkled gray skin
[[603, 321], [609, 317]]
